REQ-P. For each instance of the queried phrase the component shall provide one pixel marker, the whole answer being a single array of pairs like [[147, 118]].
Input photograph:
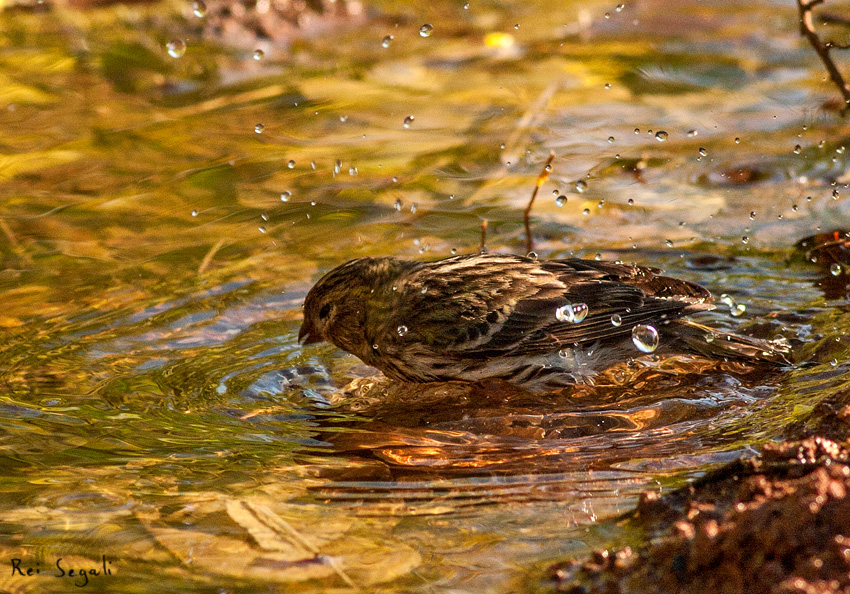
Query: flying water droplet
[[745, 239], [402, 330], [585, 212], [387, 41], [703, 152], [426, 30], [176, 48], [572, 313], [259, 128], [752, 215], [620, 7], [259, 54], [797, 149], [581, 186], [616, 320], [835, 269], [735, 308], [631, 202], [194, 213], [532, 255], [611, 140], [408, 120], [661, 136], [692, 133], [398, 204], [560, 200], [645, 338], [285, 196], [199, 8]]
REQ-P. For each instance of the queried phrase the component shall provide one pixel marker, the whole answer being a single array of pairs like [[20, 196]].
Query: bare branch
[[541, 179], [807, 30], [483, 247]]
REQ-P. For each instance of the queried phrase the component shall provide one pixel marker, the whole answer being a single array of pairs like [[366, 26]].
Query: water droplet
[[709, 337], [398, 204], [835, 269], [291, 164], [737, 140], [661, 136], [375, 347], [262, 229], [408, 120], [199, 8], [285, 196], [532, 255], [259, 54], [834, 362], [616, 320], [794, 207], [607, 15], [453, 251], [702, 152], [835, 194], [631, 202], [797, 149], [620, 7], [402, 330], [645, 338], [466, 6], [745, 239], [669, 242], [585, 212], [736, 309], [352, 171], [516, 26], [413, 207], [637, 130], [560, 200], [571, 313], [426, 30], [692, 133], [611, 139], [752, 215], [607, 86], [259, 128], [176, 48], [387, 41], [194, 213], [581, 186]]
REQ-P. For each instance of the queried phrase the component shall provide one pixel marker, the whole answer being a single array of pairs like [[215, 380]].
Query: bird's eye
[[325, 311]]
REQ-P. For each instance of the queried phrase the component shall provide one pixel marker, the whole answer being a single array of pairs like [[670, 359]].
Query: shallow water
[[156, 407]]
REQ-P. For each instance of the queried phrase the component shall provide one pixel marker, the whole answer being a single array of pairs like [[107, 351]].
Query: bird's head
[[336, 308]]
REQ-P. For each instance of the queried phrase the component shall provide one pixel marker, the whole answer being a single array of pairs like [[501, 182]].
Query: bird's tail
[[723, 345]]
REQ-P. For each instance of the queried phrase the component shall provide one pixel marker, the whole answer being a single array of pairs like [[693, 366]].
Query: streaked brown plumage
[[494, 316]]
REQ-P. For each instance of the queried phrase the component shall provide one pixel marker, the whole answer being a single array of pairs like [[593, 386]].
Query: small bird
[[536, 323]]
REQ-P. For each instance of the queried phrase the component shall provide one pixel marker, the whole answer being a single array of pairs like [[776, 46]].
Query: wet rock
[[776, 523]]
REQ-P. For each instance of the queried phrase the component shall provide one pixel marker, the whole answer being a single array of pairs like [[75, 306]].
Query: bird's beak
[[304, 336]]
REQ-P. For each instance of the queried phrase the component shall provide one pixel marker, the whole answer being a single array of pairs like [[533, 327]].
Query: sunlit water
[[163, 217]]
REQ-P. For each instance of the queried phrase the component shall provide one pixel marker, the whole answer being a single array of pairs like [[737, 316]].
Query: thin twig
[[807, 30], [483, 247], [541, 179], [205, 263]]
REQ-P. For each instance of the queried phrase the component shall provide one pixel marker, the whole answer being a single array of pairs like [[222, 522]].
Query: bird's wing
[[637, 295]]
